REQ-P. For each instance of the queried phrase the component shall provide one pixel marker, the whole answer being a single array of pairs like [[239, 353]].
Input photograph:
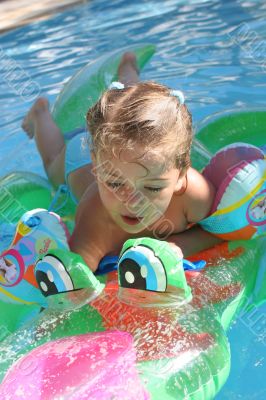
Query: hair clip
[[179, 95], [116, 85]]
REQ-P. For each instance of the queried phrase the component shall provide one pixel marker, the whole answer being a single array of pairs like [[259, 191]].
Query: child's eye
[[154, 189], [114, 185]]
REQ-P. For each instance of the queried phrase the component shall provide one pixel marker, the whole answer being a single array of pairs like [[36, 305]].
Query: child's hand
[[176, 249]]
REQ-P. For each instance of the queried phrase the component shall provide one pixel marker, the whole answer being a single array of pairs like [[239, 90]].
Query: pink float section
[[96, 366]]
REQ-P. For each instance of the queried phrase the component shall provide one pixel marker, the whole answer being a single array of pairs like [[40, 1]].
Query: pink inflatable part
[[97, 366], [228, 158]]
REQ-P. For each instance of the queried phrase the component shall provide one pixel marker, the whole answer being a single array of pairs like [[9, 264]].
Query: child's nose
[[129, 195], [134, 198]]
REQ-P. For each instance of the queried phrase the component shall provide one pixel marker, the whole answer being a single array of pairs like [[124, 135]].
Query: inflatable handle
[[193, 266], [110, 263], [107, 264]]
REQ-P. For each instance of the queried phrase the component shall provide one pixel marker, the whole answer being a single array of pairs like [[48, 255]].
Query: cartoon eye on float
[[139, 268], [52, 276]]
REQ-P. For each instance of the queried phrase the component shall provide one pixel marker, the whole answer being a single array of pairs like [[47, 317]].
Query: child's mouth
[[131, 220]]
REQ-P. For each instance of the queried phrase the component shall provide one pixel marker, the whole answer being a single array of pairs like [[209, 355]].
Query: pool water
[[212, 50]]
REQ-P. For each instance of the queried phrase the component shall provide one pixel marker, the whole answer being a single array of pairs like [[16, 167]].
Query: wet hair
[[145, 114]]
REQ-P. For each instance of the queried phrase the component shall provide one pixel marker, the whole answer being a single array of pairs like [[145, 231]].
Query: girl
[[134, 179]]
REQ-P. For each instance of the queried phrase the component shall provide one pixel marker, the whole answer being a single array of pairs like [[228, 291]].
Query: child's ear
[[181, 183], [178, 185], [93, 163]]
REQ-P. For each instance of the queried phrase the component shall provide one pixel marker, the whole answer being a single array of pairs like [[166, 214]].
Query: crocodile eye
[[140, 268], [52, 276]]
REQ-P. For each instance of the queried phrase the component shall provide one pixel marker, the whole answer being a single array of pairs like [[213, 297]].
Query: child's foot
[[40, 106], [128, 72]]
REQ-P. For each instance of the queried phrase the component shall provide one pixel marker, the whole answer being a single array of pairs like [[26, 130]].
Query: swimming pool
[[214, 51]]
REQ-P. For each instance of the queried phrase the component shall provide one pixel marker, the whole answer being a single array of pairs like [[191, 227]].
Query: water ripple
[[200, 49]]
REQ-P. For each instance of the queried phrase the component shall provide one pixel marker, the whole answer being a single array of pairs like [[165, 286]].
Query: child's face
[[135, 188]]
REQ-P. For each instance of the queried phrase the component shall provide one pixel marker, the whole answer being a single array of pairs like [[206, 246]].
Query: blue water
[[213, 50]]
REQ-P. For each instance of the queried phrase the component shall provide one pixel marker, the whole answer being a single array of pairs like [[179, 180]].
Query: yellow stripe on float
[[17, 299], [242, 201]]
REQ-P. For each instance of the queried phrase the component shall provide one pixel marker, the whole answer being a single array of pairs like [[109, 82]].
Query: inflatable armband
[[238, 173]]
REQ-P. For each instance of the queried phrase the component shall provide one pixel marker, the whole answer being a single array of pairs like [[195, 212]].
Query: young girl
[[139, 182]]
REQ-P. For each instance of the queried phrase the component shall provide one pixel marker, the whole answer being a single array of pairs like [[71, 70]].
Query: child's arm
[[87, 250], [193, 240], [199, 197], [95, 234], [198, 201]]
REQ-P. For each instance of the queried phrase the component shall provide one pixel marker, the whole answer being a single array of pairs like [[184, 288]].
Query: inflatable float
[[153, 327]]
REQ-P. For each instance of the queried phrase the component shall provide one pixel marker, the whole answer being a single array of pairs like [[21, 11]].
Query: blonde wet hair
[[146, 114]]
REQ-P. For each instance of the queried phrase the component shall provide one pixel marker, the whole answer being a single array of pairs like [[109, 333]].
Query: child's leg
[[39, 124], [127, 70]]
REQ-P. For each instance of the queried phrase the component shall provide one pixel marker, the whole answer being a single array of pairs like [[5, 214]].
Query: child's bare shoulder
[[199, 196]]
